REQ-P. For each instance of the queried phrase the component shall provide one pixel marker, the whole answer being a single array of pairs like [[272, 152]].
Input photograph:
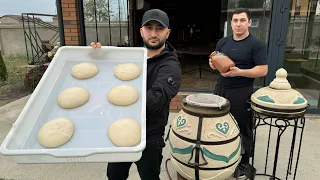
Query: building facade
[[290, 29]]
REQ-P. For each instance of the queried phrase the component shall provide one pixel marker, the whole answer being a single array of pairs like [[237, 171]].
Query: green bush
[[34, 76], [3, 69]]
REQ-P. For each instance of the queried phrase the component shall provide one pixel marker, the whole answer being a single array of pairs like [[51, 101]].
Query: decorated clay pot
[[204, 138], [279, 98]]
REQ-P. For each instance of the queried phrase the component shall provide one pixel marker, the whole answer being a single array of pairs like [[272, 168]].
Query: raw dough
[[127, 71], [123, 95], [56, 132], [73, 97], [125, 132], [84, 70]]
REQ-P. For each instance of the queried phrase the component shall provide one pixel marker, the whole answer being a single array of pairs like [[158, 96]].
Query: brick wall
[[176, 103], [71, 22]]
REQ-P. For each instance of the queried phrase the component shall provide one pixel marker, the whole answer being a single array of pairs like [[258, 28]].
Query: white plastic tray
[[90, 142]]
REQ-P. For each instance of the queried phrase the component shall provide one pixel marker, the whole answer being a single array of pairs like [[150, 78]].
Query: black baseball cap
[[156, 15]]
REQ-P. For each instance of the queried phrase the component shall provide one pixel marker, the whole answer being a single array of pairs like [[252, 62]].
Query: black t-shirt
[[246, 54]]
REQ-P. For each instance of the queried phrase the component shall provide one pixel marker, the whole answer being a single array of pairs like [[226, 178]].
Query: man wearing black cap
[[163, 83]]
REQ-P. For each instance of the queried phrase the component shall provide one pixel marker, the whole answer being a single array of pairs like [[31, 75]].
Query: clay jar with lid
[[204, 138], [279, 99]]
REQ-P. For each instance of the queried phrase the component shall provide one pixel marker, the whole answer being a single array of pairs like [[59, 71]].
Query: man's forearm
[[257, 71]]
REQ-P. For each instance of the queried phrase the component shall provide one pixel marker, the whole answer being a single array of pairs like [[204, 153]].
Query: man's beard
[[155, 47]]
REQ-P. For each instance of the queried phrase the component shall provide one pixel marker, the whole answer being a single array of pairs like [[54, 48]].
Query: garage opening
[[196, 27]]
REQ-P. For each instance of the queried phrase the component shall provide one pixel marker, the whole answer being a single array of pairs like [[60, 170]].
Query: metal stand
[[199, 68], [281, 123]]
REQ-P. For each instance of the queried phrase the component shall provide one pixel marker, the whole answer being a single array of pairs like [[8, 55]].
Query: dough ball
[[73, 97], [123, 95], [127, 71], [125, 132], [84, 70], [56, 132]]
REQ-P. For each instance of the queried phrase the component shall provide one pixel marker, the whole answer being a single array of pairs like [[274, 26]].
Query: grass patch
[[16, 71], [13, 88]]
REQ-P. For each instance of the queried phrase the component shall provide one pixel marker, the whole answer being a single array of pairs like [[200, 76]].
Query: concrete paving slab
[[309, 163]]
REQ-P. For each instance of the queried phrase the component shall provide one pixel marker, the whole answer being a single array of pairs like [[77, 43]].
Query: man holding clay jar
[[246, 56]]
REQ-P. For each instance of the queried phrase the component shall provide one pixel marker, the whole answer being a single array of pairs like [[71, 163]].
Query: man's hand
[[257, 71], [94, 45], [211, 65], [233, 72]]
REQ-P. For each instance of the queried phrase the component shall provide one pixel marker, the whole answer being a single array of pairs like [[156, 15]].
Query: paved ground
[[309, 163]]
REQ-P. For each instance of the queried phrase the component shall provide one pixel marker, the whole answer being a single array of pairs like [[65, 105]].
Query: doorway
[[196, 27], [195, 30]]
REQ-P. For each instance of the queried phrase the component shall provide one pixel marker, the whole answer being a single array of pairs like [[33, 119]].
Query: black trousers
[[240, 109], [149, 166]]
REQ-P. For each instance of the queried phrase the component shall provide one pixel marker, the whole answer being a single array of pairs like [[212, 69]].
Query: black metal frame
[[33, 37], [83, 40], [281, 123], [110, 41], [199, 68], [60, 22], [134, 14], [128, 26]]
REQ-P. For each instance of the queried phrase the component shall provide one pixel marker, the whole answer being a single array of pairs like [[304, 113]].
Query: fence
[[12, 42]]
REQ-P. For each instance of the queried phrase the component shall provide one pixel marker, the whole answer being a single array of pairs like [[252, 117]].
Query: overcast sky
[[17, 7]]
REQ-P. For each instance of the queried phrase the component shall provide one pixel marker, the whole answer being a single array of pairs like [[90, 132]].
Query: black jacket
[[163, 83]]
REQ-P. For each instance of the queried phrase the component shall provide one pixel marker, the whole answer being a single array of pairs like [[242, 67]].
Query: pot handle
[[201, 152]]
